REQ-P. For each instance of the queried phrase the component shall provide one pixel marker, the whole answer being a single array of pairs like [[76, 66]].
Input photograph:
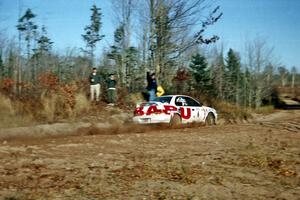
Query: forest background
[[170, 37]]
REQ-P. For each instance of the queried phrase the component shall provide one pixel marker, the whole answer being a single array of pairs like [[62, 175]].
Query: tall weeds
[[48, 102], [10, 115]]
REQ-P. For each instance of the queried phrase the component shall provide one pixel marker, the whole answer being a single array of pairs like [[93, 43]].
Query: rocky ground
[[254, 160]]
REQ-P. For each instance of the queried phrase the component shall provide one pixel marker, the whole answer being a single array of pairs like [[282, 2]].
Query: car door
[[197, 110], [188, 108]]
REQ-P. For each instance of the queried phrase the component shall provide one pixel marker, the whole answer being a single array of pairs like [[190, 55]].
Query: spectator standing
[[95, 80], [111, 93], [151, 86]]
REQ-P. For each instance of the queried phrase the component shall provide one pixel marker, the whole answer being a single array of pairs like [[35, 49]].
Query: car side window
[[192, 102], [180, 101]]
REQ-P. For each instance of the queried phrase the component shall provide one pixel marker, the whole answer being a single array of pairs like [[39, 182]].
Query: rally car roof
[[175, 95]]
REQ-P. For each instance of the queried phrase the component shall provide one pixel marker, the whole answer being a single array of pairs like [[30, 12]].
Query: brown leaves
[[68, 93], [48, 80], [6, 84]]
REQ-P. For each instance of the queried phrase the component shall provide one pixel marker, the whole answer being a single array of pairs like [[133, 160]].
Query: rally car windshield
[[163, 99]]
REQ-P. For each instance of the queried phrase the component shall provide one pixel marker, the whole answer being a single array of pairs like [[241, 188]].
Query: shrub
[[6, 85], [59, 104], [48, 81]]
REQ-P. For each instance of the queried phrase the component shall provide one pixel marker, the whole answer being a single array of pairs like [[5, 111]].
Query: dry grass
[[82, 104], [10, 115], [7, 111], [228, 113], [136, 98], [67, 105], [265, 110], [57, 107], [231, 113], [48, 108], [129, 100], [6, 107]]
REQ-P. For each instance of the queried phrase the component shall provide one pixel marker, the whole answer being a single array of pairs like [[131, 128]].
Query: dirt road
[[256, 160]]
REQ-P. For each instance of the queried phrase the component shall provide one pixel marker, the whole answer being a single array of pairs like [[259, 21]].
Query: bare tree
[[124, 10], [174, 27], [259, 55], [269, 81], [283, 73], [143, 32], [293, 73]]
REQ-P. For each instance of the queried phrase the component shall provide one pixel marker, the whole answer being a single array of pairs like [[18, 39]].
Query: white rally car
[[174, 109]]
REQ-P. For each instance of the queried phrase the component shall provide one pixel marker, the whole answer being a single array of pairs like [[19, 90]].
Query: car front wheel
[[210, 120]]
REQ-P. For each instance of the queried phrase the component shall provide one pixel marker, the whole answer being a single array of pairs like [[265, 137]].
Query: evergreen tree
[[116, 53], [201, 74], [6, 67], [27, 28], [233, 77], [44, 42], [43, 51], [92, 36], [246, 90], [218, 74], [126, 59], [132, 60]]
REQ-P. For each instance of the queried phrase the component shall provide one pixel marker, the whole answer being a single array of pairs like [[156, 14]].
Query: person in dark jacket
[[95, 80], [151, 86], [111, 93]]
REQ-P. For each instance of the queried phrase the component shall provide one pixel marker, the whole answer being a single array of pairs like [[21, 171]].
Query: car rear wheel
[[175, 121], [210, 120]]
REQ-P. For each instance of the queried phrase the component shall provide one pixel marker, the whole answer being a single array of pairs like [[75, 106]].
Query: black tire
[[210, 120], [175, 121]]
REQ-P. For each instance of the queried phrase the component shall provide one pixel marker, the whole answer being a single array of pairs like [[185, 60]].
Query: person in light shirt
[[95, 80]]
